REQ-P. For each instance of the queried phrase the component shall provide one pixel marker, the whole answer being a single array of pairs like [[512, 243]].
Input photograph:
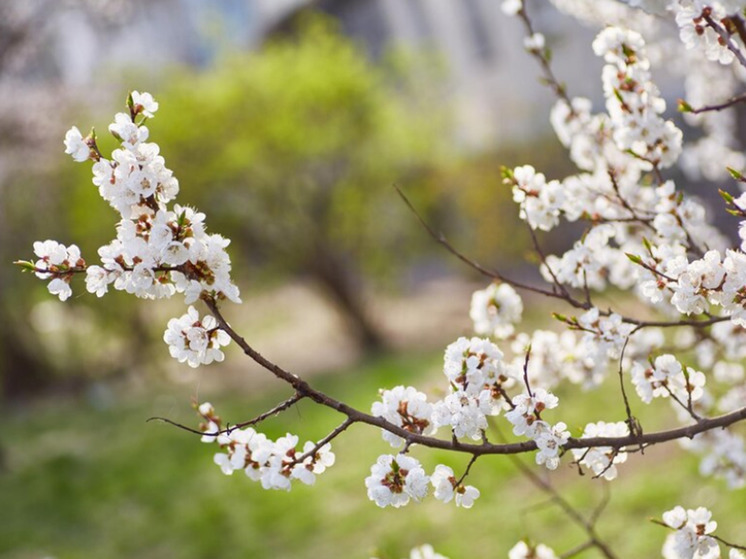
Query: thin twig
[[634, 426], [587, 525], [578, 550], [468, 468], [720, 106], [331, 436], [295, 398], [492, 274], [724, 542]]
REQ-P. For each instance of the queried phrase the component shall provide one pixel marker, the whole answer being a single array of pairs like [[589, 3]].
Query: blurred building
[[490, 80]]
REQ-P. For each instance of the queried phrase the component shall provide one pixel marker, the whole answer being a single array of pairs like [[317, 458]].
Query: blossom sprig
[[447, 487], [693, 535], [56, 263], [275, 464], [709, 26], [633, 101], [527, 421], [540, 200], [394, 480], [602, 460], [159, 249], [478, 379], [666, 377]]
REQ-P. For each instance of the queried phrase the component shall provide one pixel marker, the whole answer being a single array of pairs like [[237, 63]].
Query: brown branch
[[282, 406], [589, 526], [468, 469], [720, 106], [357, 416], [183, 427], [674, 323], [724, 542], [331, 436], [492, 274], [634, 425], [541, 55], [525, 372]]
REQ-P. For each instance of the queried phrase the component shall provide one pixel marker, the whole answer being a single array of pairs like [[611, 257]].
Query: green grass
[[82, 481]]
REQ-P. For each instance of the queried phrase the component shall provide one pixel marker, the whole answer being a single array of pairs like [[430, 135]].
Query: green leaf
[[684, 107], [726, 196], [647, 245], [634, 258], [26, 266]]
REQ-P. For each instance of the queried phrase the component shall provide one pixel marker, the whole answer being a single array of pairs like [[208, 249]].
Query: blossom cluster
[[643, 233], [194, 340], [633, 101], [58, 263], [691, 18], [478, 378], [602, 460], [495, 310], [395, 480], [692, 535], [666, 377], [273, 463], [159, 249]]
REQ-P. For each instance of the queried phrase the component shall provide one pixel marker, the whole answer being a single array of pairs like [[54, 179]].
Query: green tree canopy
[[296, 148]]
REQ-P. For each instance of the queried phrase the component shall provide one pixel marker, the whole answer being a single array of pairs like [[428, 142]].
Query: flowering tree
[[642, 235]]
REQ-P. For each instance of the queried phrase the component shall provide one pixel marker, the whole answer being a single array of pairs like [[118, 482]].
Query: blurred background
[[288, 123]]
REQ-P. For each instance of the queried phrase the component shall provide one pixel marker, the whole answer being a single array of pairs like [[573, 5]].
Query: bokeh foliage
[[295, 149], [292, 151]]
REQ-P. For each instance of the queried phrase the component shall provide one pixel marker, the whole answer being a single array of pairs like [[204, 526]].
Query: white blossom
[[495, 310], [691, 537], [76, 146], [511, 7], [394, 480], [194, 340], [407, 408], [524, 550], [144, 102], [602, 460]]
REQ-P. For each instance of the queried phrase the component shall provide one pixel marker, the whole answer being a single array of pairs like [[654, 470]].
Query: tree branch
[[357, 416]]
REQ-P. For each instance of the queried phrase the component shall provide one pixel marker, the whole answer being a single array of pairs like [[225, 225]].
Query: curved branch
[[356, 416]]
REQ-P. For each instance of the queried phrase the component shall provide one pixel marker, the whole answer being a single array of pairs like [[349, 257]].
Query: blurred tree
[[35, 110], [295, 150]]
